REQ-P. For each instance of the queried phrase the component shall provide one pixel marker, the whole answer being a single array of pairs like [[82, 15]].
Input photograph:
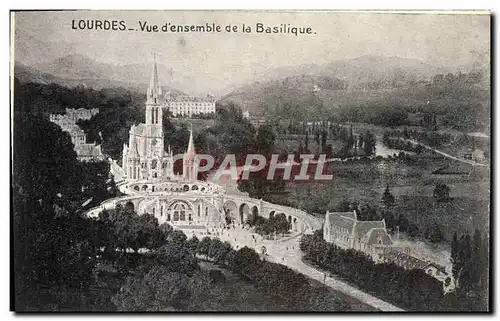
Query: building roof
[[362, 228], [404, 260], [88, 150], [154, 88], [376, 234], [139, 129], [340, 219], [437, 266], [190, 152], [184, 98]]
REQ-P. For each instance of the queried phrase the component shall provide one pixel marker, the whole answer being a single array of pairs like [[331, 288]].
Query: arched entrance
[[230, 212], [255, 211], [244, 212], [180, 212], [129, 206]]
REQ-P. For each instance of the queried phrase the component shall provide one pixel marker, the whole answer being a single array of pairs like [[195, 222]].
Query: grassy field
[[412, 185]]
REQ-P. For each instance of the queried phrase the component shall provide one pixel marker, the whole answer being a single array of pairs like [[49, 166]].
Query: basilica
[[145, 156]]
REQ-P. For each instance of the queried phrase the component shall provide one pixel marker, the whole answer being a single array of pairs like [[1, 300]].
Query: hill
[[76, 77], [85, 69], [371, 89], [295, 96], [359, 71], [362, 79]]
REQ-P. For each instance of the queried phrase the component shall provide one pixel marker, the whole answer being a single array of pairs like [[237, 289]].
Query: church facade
[[145, 156]]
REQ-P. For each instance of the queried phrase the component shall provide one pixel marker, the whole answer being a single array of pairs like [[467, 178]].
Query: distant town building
[[81, 113], [246, 114], [86, 152], [187, 105]]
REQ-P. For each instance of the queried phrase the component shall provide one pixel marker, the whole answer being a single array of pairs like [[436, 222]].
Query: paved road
[[288, 253], [465, 161]]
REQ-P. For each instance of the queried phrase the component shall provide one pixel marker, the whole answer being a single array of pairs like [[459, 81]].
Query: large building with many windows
[[187, 105]]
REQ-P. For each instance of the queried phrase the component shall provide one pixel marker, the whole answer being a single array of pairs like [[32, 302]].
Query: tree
[[323, 140], [279, 223], [245, 262], [49, 250], [465, 280], [265, 139], [434, 234], [204, 246], [351, 141], [387, 198], [412, 230], [159, 290], [441, 192], [177, 237], [317, 137], [149, 235], [344, 206], [369, 143], [454, 258], [360, 141], [176, 258], [193, 243], [328, 151], [122, 228]]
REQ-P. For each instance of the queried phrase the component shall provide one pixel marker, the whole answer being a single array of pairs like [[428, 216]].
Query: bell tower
[[154, 125], [154, 111]]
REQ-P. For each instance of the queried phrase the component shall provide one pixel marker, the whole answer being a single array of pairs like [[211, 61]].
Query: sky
[[441, 40]]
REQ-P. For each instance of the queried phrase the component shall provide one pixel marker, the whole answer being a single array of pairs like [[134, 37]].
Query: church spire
[[154, 89], [190, 150], [189, 167]]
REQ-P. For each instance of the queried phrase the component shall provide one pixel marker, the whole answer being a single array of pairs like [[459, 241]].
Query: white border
[[190, 4]]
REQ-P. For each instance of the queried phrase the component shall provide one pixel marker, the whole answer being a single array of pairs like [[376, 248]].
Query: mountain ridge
[[27, 73]]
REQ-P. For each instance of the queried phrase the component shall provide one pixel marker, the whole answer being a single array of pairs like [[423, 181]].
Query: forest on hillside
[[459, 99], [462, 100]]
